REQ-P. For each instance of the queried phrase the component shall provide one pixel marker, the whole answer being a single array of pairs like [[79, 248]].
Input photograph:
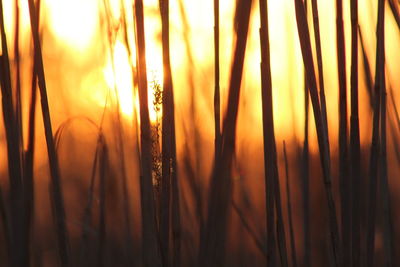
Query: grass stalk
[[394, 6], [212, 247], [314, 5], [170, 188], [396, 112], [388, 242], [101, 149], [120, 146], [345, 185], [87, 214], [56, 189], [270, 157], [103, 163], [272, 189], [18, 248], [367, 70], [289, 208], [268, 133], [322, 135], [17, 64], [305, 182], [29, 153], [280, 222], [217, 115], [355, 154], [375, 143], [150, 246], [125, 191], [305, 174]]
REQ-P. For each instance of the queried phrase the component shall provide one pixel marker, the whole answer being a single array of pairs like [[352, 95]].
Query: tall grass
[[170, 186], [375, 143], [345, 185], [151, 249], [217, 101], [322, 134], [212, 248], [57, 195], [18, 248], [355, 139], [272, 189], [178, 219]]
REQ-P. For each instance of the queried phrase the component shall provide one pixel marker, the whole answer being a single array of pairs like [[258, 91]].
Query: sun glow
[[118, 75], [73, 21], [85, 29]]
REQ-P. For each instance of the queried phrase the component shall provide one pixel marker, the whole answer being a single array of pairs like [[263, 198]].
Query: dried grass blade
[[375, 143], [322, 135], [394, 6], [345, 185], [19, 248], [355, 154], [103, 164], [56, 188], [212, 247], [289, 208], [272, 189], [170, 187], [150, 247], [217, 108], [319, 62]]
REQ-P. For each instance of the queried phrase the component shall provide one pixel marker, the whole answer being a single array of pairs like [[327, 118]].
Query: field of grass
[[199, 133]]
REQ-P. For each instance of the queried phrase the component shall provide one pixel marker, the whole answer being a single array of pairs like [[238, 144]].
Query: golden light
[[118, 75], [73, 21], [78, 26], [89, 57]]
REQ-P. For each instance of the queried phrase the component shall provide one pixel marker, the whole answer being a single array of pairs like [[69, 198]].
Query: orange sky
[[78, 30]]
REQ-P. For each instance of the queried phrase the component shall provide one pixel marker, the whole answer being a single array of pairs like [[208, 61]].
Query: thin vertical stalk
[[176, 213], [314, 5], [289, 208], [322, 134], [345, 185], [56, 189], [120, 148], [305, 181], [217, 116], [388, 242], [212, 247], [103, 165], [19, 247], [394, 6], [29, 153], [355, 153], [125, 191], [396, 112], [150, 247], [375, 143], [268, 166], [305, 174], [272, 190], [280, 227], [367, 71], [87, 214], [169, 178], [18, 107]]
